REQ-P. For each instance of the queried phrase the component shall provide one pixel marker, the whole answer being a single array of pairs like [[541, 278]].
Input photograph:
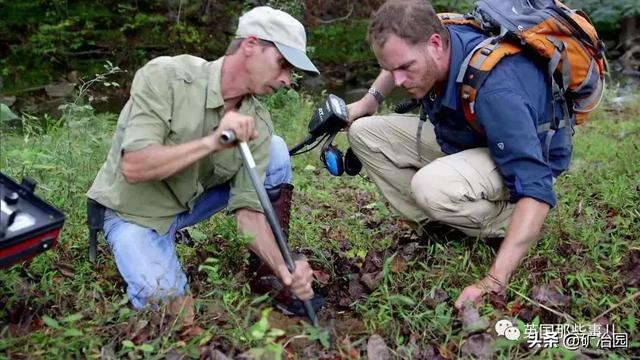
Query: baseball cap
[[280, 28]]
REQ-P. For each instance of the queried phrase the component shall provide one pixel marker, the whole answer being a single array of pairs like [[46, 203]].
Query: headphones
[[332, 159]]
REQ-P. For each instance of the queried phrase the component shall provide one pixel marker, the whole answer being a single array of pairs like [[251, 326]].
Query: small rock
[[174, 354], [408, 251], [107, 353], [61, 89], [471, 320], [430, 353], [377, 348]]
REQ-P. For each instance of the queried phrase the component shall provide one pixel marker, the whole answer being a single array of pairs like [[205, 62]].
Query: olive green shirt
[[175, 100]]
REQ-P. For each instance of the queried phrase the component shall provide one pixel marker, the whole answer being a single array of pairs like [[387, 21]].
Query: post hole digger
[[249, 164]]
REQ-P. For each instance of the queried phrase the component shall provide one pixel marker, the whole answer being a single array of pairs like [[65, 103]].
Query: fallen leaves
[[190, 332], [398, 265], [550, 294], [630, 270]]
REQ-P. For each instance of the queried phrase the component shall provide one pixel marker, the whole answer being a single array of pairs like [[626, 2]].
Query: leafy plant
[[262, 332], [80, 108]]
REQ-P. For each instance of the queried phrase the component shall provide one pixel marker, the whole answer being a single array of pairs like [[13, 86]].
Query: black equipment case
[[28, 225]]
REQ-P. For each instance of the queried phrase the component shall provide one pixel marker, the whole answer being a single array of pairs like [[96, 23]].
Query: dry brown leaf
[[479, 346], [550, 295], [372, 280], [398, 265], [65, 269], [190, 332]]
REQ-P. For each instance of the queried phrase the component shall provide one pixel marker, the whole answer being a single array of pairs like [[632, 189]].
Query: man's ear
[[250, 44], [436, 43]]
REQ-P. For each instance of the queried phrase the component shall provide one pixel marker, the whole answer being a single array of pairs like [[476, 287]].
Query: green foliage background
[[42, 40]]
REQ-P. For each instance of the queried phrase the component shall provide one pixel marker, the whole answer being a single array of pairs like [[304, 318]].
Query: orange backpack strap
[[458, 19], [474, 70]]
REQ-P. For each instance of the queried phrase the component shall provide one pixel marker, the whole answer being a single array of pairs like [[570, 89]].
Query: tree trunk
[[630, 32], [630, 43]]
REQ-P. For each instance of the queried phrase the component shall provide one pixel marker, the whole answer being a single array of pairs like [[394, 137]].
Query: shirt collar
[[214, 94]]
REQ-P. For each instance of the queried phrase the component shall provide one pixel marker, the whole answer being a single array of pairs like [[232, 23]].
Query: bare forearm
[[523, 232], [383, 83], [368, 105], [157, 162], [264, 244]]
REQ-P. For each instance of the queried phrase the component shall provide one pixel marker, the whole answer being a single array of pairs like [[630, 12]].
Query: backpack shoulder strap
[[475, 69]]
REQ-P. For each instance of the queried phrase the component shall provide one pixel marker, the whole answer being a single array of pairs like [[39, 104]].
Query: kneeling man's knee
[[359, 132], [279, 169], [435, 190]]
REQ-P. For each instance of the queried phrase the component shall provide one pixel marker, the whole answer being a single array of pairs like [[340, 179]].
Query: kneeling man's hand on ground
[[474, 293]]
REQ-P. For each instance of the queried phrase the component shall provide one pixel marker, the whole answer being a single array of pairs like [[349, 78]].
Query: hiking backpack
[[564, 38]]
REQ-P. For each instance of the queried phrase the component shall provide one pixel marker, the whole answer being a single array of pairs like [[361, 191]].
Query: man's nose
[[399, 78], [285, 77]]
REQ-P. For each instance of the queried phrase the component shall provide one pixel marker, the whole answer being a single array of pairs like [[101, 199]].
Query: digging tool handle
[[229, 136]]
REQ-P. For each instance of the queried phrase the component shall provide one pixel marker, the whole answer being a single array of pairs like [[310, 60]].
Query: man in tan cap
[[167, 169]]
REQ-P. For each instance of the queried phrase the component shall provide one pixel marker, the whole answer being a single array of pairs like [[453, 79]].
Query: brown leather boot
[[281, 200], [263, 280]]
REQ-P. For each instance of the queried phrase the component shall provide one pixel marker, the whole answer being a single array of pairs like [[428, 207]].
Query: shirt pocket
[[184, 185], [225, 165]]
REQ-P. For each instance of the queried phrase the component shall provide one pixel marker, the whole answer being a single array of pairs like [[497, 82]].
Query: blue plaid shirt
[[513, 100]]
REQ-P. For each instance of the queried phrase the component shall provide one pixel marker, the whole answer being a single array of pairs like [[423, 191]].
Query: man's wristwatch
[[376, 94]]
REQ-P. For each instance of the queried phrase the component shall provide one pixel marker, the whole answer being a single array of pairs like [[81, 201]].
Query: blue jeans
[[147, 260]]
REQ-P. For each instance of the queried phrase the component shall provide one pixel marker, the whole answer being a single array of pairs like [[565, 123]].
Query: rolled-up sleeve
[[243, 194], [509, 124], [150, 113]]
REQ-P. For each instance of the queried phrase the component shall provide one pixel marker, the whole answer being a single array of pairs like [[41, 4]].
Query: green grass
[[61, 307]]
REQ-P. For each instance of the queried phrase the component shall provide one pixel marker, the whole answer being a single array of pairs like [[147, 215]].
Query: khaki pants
[[464, 190]]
